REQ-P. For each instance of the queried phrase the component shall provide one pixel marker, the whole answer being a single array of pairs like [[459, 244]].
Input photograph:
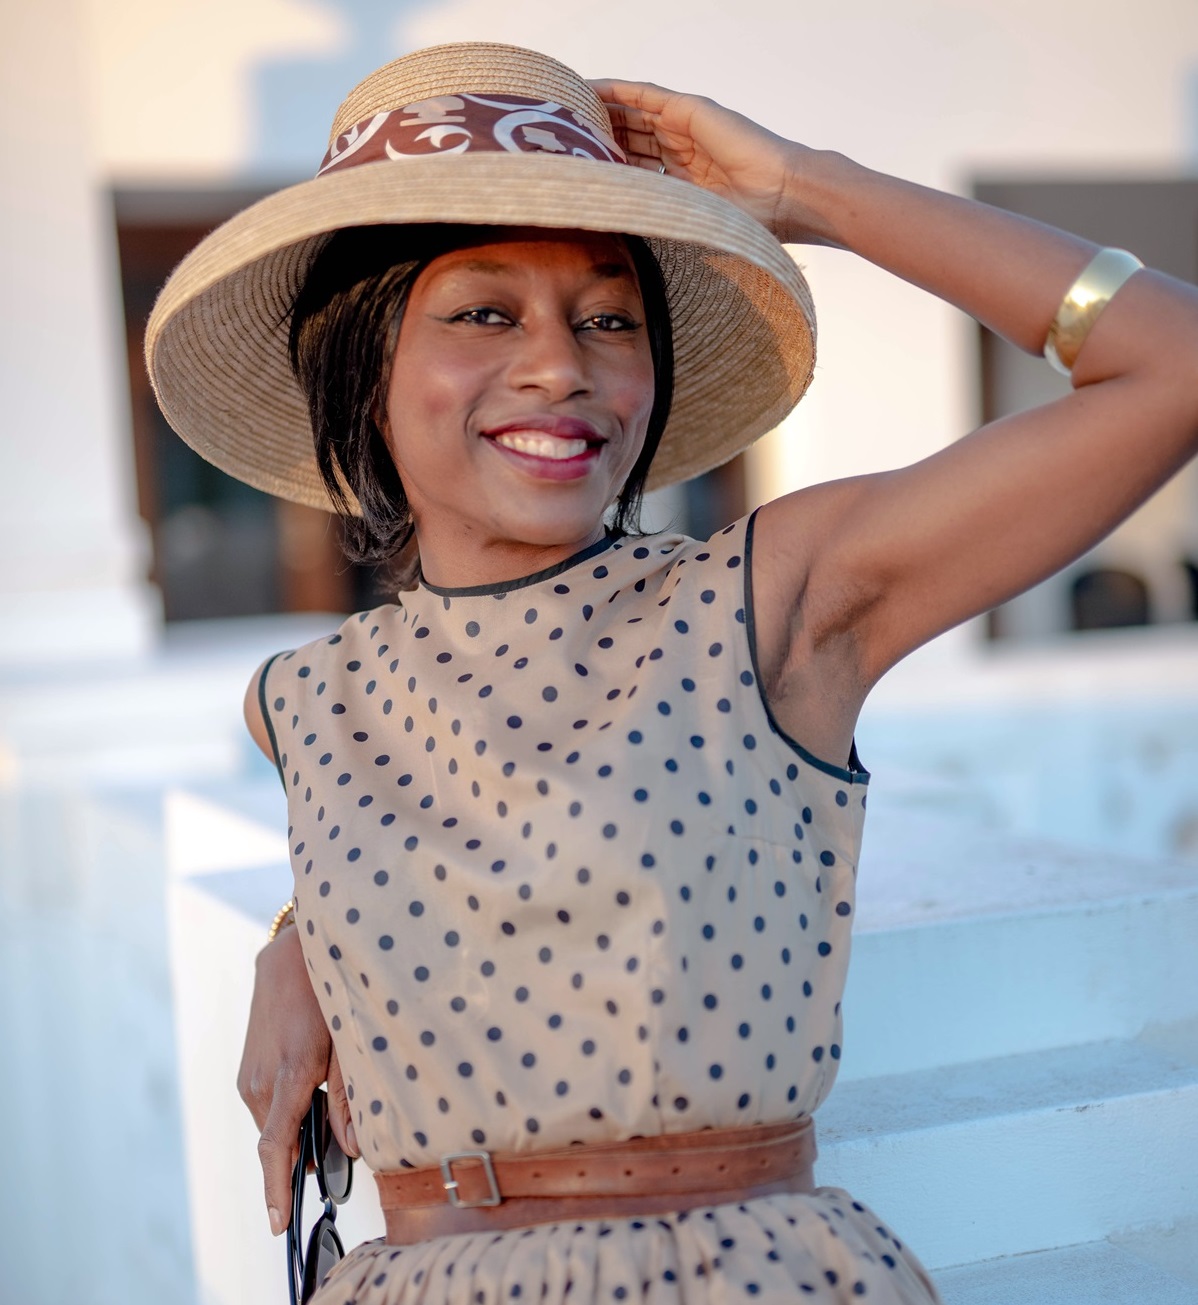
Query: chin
[[550, 529]]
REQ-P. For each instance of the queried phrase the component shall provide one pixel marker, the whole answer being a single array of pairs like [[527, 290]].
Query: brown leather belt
[[475, 1191]]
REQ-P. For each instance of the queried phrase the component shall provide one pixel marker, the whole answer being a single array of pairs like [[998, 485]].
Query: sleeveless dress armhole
[[854, 772], [270, 728]]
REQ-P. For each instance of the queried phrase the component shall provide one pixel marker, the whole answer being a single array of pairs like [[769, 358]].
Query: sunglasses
[[319, 1149]]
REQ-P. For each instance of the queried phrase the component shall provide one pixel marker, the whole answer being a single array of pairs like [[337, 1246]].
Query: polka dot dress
[[560, 878]]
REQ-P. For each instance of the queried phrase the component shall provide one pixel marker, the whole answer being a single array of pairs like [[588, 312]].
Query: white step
[[972, 943], [1023, 1153], [1097, 1274]]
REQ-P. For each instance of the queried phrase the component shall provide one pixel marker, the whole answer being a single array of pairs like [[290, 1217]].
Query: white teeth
[[541, 446]]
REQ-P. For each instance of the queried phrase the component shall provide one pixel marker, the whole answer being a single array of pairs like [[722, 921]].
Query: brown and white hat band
[[461, 124]]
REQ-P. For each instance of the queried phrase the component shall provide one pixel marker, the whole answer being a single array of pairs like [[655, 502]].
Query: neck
[[462, 563]]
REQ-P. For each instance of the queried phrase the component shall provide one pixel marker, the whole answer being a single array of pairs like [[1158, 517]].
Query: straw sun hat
[[493, 135]]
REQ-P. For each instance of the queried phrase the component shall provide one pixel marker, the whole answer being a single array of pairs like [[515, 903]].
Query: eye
[[608, 322], [482, 317]]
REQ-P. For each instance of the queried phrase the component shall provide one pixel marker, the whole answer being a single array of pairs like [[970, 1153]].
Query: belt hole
[[536, 1174], [720, 1168], [627, 1173]]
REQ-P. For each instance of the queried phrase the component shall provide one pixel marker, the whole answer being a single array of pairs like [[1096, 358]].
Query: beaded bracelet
[[283, 917], [1083, 304]]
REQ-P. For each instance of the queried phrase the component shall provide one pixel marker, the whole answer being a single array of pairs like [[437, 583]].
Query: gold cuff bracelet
[[1083, 304]]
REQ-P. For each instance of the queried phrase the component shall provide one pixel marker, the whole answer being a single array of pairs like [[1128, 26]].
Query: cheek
[[423, 398], [635, 397]]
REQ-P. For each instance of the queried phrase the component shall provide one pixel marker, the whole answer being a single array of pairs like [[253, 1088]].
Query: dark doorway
[[220, 548], [1108, 598]]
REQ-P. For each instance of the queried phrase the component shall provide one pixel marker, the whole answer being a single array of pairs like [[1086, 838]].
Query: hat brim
[[216, 344]]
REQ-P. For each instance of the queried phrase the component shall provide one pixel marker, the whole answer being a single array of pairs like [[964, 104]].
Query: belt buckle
[[451, 1183]]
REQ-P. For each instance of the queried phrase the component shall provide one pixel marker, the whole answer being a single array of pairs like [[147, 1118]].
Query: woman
[[575, 822]]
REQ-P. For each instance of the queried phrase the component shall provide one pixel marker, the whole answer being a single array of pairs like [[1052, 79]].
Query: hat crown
[[470, 68]]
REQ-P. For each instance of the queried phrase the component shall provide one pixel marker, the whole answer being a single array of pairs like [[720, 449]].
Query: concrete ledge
[[1098, 1274], [218, 916], [972, 943], [1023, 1153]]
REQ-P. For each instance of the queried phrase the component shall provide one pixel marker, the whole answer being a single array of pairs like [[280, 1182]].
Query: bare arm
[[252, 712], [858, 573]]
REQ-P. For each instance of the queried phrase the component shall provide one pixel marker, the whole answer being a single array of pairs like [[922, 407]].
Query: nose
[[549, 358]]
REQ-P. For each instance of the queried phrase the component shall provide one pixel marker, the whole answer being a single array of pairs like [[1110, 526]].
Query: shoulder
[[295, 668], [359, 636]]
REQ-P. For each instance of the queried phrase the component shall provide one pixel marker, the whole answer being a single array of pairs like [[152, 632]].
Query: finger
[[632, 120], [641, 142], [643, 137], [277, 1147], [649, 164], [634, 95], [637, 133], [340, 1116], [645, 147]]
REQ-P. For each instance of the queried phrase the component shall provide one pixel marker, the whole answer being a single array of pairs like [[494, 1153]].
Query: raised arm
[[855, 574]]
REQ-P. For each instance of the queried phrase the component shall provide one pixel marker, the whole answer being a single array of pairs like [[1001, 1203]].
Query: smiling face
[[519, 398]]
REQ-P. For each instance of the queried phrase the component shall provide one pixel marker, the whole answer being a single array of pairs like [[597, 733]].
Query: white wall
[[74, 555]]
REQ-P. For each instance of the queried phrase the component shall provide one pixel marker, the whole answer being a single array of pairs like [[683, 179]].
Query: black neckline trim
[[506, 586], [857, 774]]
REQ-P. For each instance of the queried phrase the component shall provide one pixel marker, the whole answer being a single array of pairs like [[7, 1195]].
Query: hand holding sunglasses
[[334, 1177]]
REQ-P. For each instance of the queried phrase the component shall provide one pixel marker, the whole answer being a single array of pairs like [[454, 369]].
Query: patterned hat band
[[474, 124]]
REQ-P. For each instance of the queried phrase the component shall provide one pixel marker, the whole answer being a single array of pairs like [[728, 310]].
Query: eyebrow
[[485, 265]]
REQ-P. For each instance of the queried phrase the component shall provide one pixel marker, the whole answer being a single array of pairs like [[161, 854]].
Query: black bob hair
[[344, 326]]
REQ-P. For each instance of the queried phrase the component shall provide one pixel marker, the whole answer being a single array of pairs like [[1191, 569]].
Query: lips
[[541, 446], [548, 441]]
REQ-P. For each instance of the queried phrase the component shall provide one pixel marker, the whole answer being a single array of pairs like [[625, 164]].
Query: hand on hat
[[723, 151]]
